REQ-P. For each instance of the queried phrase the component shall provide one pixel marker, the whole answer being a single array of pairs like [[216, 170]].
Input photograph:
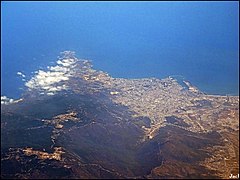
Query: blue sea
[[197, 40]]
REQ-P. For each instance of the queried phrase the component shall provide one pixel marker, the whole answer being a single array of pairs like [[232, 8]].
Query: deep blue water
[[198, 40]]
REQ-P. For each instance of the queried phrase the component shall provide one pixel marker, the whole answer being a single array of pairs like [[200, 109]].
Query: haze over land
[[87, 124]]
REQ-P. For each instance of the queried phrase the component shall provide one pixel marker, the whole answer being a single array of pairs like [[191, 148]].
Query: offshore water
[[197, 40]]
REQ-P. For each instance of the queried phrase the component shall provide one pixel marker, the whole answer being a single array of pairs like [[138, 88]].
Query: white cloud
[[5, 100], [59, 69], [21, 74], [51, 81]]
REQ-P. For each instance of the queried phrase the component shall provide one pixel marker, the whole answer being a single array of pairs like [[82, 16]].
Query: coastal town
[[158, 99]]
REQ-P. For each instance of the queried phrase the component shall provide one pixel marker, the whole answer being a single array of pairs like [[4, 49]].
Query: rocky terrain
[[77, 122]]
